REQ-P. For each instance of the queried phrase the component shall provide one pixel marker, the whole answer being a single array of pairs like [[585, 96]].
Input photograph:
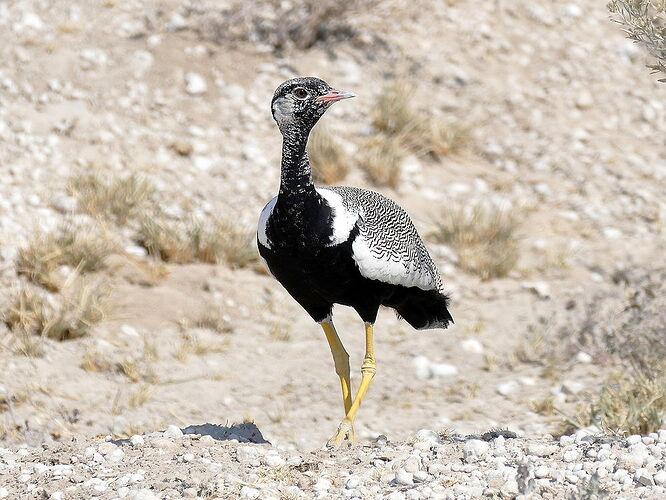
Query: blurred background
[[137, 148]]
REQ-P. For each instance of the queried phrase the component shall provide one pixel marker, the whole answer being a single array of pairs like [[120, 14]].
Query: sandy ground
[[566, 128]]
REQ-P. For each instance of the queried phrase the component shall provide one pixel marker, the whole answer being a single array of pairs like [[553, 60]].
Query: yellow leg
[[368, 370], [341, 360]]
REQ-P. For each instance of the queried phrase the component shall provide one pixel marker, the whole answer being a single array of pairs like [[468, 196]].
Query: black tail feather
[[425, 309]]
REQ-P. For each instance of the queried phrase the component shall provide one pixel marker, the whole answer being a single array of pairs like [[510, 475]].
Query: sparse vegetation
[[644, 21], [211, 241], [283, 25], [380, 158], [211, 319], [111, 197], [395, 115], [330, 163], [484, 236], [70, 314], [76, 249], [628, 329]]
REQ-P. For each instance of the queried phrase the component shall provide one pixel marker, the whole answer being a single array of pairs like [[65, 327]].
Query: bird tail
[[425, 309]]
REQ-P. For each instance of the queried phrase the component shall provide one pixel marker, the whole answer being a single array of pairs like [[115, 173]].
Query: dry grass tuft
[[381, 158], [484, 237], [193, 343], [330, 163], [44, 257], [395, 116], [626, 329], [114, 198], [71, 314], [214, 241], [210, 319]]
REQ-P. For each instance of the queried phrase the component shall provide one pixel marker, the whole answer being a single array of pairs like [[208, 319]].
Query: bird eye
[[300, 93]]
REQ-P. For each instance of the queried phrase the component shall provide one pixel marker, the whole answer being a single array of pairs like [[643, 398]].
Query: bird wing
[[387, 248]]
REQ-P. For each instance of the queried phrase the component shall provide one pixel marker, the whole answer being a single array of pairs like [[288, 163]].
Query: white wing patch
[[383, 268], [263, 220], [343, 219]]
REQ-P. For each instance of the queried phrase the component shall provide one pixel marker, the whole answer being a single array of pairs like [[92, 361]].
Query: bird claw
[[345, 433]]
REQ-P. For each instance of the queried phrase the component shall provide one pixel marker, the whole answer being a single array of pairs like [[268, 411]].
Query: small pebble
[[173, 431]]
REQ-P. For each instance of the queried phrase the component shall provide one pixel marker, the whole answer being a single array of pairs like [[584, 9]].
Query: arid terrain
[[137, 149]]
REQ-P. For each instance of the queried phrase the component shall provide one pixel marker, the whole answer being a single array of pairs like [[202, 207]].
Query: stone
[[475, 448], [173, 431], [273, 459], [195, 84], [572, 387], [137, 440], [420, 476], [396, 495], [403, 477], [660, 477], [508, 387], [246, 453], [633, 439], [472, 345], [427, 435], [642, 476], [4, 493], [323, 484], [249, 492]]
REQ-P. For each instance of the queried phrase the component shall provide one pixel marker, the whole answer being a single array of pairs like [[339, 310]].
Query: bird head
[[298, 103]]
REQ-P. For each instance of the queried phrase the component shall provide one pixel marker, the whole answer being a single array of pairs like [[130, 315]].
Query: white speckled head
[[300, 102]]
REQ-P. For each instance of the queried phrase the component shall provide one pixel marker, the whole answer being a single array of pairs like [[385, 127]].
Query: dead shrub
[[625, 326], [68, 315], [644, 21], [395, 115], [210, 241], [483, 235], [330, 163], [283, 25], [80, 249], [381, 158], [113, 197]]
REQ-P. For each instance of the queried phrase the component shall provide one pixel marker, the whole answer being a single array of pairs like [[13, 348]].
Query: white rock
[[396, 495], [427, 435], [540, 288], [173, 431], [246, 453], [633, 439], [420, 476], [475, 448], [137, 440], [248, 492], [403, 477], [583, 357], [322, 484], [472, 345], [572, 387], [195, 84], [542, 472], [56, 495], [443, 369], [630, 461], [142, 494], [352, 483], [642, 476], [662, 436], [509, 387], [106, 448], [660, 477], [4, 493], [273, 459], [571, 455]]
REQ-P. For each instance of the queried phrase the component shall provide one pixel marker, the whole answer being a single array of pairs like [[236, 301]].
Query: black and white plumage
[[342, 245]]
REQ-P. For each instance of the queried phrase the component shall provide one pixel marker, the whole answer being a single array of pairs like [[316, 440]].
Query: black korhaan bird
[[342, 245]]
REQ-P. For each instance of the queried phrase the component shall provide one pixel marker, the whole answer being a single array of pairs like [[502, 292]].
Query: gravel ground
[[566, 130], [210, 461]]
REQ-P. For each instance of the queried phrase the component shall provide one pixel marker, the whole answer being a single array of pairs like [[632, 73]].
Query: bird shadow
[[246, 432]]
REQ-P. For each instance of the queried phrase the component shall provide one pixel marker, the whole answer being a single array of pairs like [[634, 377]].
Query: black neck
[[295, 176]]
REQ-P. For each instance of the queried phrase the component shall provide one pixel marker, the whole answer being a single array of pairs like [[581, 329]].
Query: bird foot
[[345, 434]]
